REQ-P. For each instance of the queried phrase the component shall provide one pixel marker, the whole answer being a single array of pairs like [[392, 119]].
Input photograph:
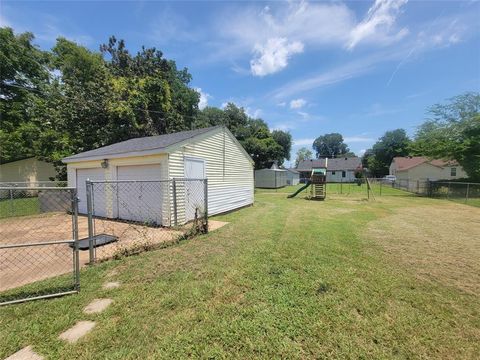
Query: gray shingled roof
[[337, 164], [159, 143]]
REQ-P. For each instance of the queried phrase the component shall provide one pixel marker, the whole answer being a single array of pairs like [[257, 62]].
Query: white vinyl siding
[[228, 169], [82, 175], [227, 166]]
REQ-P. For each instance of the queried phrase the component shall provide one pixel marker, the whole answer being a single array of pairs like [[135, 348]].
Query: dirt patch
[[440, 243], [215, 224], [24, 265]]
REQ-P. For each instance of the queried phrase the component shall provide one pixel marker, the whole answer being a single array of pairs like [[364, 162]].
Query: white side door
[[99, 200], [194, 189], [140, 201]]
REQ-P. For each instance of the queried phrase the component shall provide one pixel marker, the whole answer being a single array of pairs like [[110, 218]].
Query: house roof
[[150, 143], [408, 162], [349, 163], [292, 170]]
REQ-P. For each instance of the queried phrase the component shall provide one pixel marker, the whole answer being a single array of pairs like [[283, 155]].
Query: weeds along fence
[[465, 192], [127, 217], [38, 233]]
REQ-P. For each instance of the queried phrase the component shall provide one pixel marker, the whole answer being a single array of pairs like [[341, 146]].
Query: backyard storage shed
[[272, 178], [293, 177], [30, 171], [150, 164]]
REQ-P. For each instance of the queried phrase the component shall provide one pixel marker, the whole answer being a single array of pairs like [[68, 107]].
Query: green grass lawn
[[342, 189], [19, 207], [287, 278]]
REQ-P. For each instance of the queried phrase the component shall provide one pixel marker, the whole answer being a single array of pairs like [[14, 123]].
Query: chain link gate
[[126, 217], [38, 243]]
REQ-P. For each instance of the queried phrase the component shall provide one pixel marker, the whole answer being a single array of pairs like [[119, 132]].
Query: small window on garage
[[453, 171], [333, 172], [344, 173]]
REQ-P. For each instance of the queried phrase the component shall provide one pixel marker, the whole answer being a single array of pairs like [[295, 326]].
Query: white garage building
[[154, 161]]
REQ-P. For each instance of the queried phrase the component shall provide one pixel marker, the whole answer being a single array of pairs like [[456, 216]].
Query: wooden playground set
[[317, 184]]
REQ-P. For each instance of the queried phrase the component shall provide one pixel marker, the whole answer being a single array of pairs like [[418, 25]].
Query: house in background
[[422, 168], [338, 169], [293, 177], [212, 153], [29, 170], [273, 178]]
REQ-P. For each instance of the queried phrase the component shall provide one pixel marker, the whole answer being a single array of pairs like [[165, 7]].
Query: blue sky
[[358, 68]]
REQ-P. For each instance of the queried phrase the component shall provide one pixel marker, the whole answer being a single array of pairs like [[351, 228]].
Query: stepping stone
[[80, 329], [97, 306], [111, 285], [25, 354]]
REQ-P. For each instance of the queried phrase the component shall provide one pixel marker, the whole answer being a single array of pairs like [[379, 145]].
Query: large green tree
[[303, 154], [378, 159], [284, 139], [330, 145], [453, 132], [23, 76]]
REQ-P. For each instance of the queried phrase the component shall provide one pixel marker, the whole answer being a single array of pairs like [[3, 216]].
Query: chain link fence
[[38, 256], [378, 187], [464, 192], [128, 217]]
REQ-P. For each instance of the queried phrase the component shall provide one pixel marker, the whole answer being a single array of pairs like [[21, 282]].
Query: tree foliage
[[264, 146], [378, 159], [453, 132], [284, 139], [71, 99], [330, 145], [23, 73], [303, 154]]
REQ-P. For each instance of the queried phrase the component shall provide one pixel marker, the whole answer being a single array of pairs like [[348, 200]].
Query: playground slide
[[299, 190]]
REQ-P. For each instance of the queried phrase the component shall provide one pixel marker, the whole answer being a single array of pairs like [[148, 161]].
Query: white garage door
[[142, 200], [82, 176]]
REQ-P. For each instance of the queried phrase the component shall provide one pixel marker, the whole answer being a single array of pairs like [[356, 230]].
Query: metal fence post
[[448, 191], [381, 183], [175, 214], [90, 220], [466, 195], [12, 206], [205, 195], [76, 255]]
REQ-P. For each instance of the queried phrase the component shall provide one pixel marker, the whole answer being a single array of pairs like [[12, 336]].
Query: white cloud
[[273, 56], [297, 103], [378, 23], [303, 114], [357, 139], [338, 74], [282, 104], [253, 113], [203, 103], [277, 32], [303, 142], [286, 126], [450, 29], [361, 152]]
